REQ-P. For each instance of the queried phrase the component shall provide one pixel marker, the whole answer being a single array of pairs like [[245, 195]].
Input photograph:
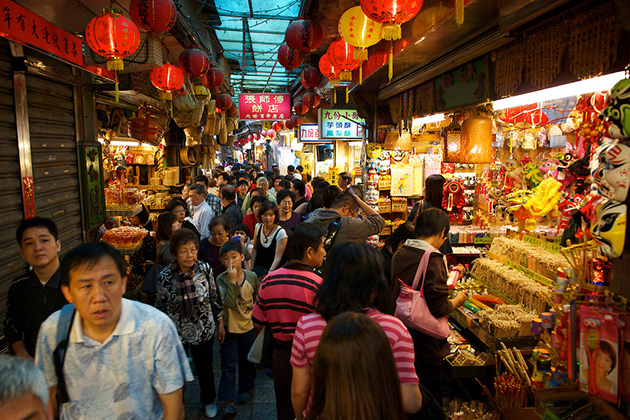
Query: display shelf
[[133, 211]]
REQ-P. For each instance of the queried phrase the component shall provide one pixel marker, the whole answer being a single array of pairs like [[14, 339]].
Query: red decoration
[[289, 124], [280, 125], [250, 137], [300, 108], [263, 133], [224, 101], [233, 110], [391, 13], [296, 120], [311, 99], [168, 78], [256, 136], [329, 70], [182, 91], [102, 72], [304, 35], [288, 58], [155, 16], [271, 134], [310, 77], [275, 126], [341, 55], [194, 62], [114, 37], [213, 78]]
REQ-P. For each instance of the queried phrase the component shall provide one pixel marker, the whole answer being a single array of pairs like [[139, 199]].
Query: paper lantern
[[304, 35], [452, 135], [341, 55], [263, 133], [280, 125], [310, 77], [233, 110], [113, 36], [168, 78], [391, 14], [296, 120], [194, 62], [300, 108], [271, 134], [288, 58], [224, 101], [329, 70], [213, 78], [311, 99], [155, 16], [359, 31], [289, 124], [250, 137], [476, 141], [256, 136]]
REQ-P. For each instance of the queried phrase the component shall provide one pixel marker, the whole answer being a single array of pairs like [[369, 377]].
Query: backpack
[[64, 326], [329, 239]]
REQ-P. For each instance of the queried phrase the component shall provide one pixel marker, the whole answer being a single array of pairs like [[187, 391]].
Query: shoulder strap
[[420, 210], [422, 269], [64, 326]]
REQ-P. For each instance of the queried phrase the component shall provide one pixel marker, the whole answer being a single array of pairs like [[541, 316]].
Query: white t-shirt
[[281, 235]]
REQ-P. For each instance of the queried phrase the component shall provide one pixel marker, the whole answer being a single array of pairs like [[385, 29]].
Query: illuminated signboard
[[333, 125], [309, 133], [264, 106]]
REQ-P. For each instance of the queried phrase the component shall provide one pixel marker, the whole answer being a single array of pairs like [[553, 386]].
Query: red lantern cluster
[[311, 99], [194, 62], [154, 16], [168, 78], [213, 78], [288, 58], [304, 35], [233, 110], [113, 36], [341, 55], [300, 108], [289, 124], [310, 77], [224, 101]]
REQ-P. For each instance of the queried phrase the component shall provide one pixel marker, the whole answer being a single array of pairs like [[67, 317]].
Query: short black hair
[[322, 184], [242, 175], [242, 182], [346, 176], [228, 192], [329, 194], [177, 201], [242, 227], [431, 222], [299, 168], [181, 237], [257, 199], [270, 205], [231, 246], [285, 184], [224, 175], [401, 234], [282, 194], [202, 178], [199, 189], [300, 187], [39, 222], [290, 168], [90, 254], [301, 238], [344, 199]]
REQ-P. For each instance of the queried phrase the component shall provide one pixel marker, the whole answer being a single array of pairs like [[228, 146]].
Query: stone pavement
[[263, 407]]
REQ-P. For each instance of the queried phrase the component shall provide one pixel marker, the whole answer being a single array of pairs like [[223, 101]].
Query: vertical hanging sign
[[28, 194]]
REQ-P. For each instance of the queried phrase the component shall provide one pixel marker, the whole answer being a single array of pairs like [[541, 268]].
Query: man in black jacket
[[36, 294]]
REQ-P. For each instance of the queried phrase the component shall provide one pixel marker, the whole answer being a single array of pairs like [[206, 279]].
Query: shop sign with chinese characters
[[309, 133], [21, 25], [264, 106], [334, 124]]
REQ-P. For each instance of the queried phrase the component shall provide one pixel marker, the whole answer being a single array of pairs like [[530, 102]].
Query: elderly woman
[[186, 291], [287, 217]]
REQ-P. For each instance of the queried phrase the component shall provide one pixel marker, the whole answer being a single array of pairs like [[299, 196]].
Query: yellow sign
[[333, 175], [306, 160]]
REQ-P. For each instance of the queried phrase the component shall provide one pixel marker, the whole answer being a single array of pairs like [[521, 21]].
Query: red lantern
[[300, 108], [310, 77], [296, 120], [304, 35], [224, 101], [274, 126], [271, 134], [289, 124], [194, 62], [263, 133], [256, 136], [288, 58], [168, 78], [233, 110], [102, 72], [213, 78], [114, 37], [280, 125], [341, 55], [250, 137], [329, 70], [311, 99], [155, 16], [391, 14]]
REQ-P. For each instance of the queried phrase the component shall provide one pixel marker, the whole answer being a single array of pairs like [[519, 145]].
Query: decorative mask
[[610, 229], [613, 173], [617, 113], [371, 196]]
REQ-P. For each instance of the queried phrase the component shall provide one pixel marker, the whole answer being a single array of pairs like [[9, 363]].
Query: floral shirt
[[200, 329]]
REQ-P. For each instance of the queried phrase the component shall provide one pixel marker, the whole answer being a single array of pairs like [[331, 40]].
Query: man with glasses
[[202, 213]]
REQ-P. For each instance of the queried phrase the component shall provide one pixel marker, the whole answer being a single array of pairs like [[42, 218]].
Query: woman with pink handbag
[[425, 313]]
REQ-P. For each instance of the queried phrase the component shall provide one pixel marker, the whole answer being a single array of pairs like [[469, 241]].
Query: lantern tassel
[[390, 67], [459, 12], [116, 85], [346, 76], [391, 31], [361, 74], [115, 64], [335, 95], [360, 54]]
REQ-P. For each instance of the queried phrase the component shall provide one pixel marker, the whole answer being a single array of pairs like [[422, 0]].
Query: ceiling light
[[124, 142], [595, 84], [427, 120]]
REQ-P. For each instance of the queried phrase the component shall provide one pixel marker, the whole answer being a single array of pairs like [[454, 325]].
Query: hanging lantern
[[300, 108], [329, 70], [391, 14], [289, 124], [341, 55], [296, 120], [275, 126], [233, 110], [168, 78], [359, 31], [452, 135], [154, 16], [311, 99], [477, 141], [250, 137], [288, 58], [304, 35], [194, 62], [271, 134], [224, 102], [310, 77], [256, 136], [213, 78], [280, 125]]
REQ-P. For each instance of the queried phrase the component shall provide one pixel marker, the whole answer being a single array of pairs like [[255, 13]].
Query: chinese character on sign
[[20, 20], [250, 99], [7, 16], [279, 99], [264, 99], [346, 125], [273, 108], [338, 125], [256, 108]]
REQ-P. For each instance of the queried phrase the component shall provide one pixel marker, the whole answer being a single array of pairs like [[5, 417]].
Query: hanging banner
[[25, 27], [264, 106]]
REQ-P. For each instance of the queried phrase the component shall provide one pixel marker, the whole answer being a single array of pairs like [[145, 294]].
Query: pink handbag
[[412, 309]]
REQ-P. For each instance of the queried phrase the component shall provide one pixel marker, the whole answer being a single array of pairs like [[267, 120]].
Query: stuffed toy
[[527, 206], [453, 199]]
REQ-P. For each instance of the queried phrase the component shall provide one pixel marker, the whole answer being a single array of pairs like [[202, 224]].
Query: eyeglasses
[[183, 252]]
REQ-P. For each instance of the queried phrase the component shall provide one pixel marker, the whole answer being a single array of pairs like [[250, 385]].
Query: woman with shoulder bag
[[433, 193]]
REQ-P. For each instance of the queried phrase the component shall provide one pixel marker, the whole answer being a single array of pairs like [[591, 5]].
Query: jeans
[[202, 357], [282, 376], [234, 351]]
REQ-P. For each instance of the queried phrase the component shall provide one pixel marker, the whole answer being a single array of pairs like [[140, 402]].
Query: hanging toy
[[532, 174], [453, 200], [617, 113], [610, 230], [566, 208], [613, 172], [527, 206]]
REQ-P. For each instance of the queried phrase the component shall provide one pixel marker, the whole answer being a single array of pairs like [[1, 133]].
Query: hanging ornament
[[213, 78], [288, 58], [391, 14], [311, 99], [300, 108], [341, 55], [224, 101], [329, 70], [154, 16], [168, 78], [280, 125], [289, 124], [296, 120], [256, 136], [271, 134], [263, 133], [233, 110], [194, 62], [310, 77], [359, 31], [250, 137], [304, 35]]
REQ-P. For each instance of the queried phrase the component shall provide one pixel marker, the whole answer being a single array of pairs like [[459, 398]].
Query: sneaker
[[245, 397], [211, 410], [229, 412]]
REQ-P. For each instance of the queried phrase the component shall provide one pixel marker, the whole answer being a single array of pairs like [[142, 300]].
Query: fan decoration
[[311, 99], [359, 31], [391, 14], [341, 55], [213, 78], [304, 35], [113, 36], [224, 101], [168, 79], [154, 16], [300, 108], [310, 77], [194, 62], [288, 58]]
